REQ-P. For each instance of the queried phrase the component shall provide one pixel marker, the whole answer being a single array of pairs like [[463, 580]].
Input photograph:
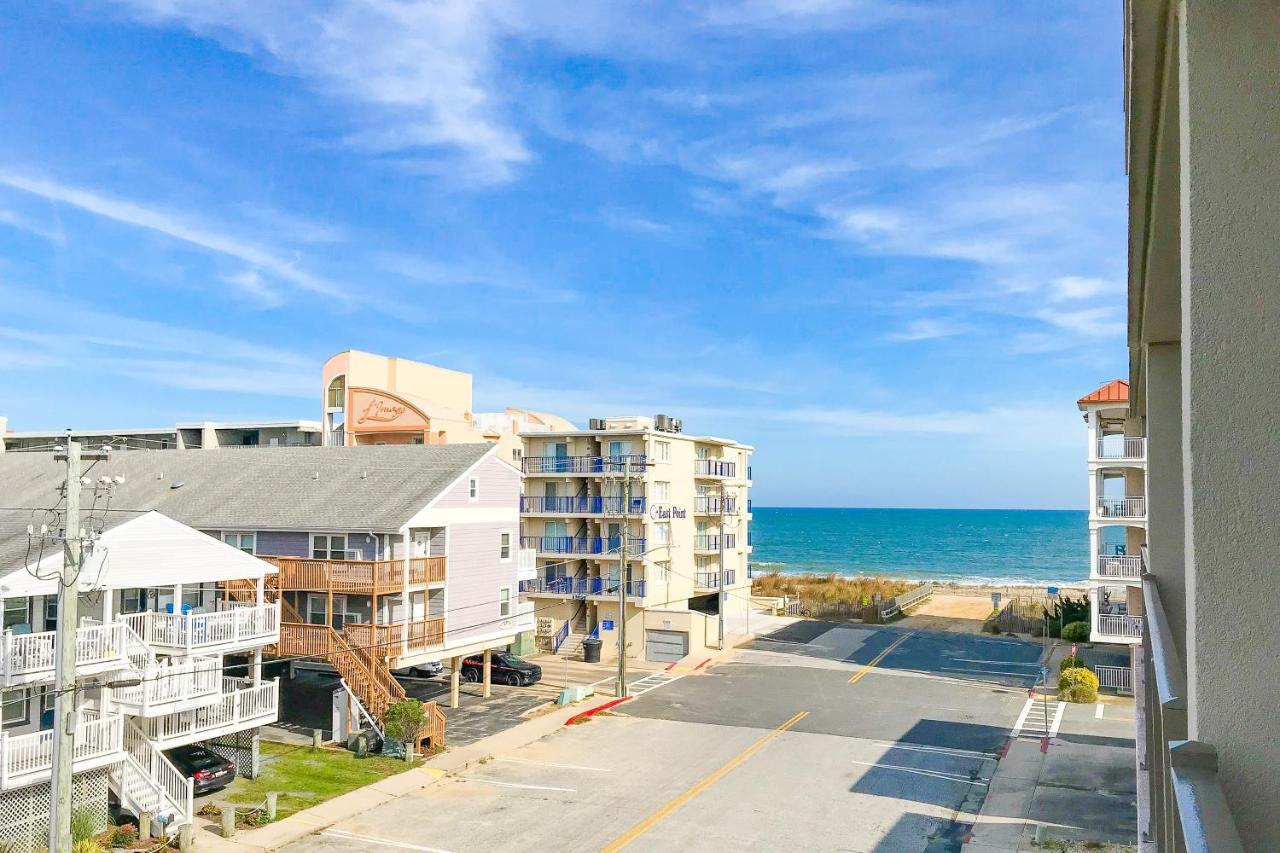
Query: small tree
[[1068, 662], [1076, 632], [404, 722], [1078, 684]]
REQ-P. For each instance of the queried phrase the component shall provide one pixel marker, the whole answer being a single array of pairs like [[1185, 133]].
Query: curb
[[593, 711]]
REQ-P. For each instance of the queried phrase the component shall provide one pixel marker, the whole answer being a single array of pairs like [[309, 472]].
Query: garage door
[[665, 645]]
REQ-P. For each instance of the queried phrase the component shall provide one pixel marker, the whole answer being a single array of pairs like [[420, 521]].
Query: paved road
[[824, 737]]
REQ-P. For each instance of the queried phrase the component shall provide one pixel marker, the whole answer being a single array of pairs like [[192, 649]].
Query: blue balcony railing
[[583, 544], [713, 468], [714, 505], [581, 587], [749, 474], [582, 505], [582, 464], [711, 541], [561, 635]]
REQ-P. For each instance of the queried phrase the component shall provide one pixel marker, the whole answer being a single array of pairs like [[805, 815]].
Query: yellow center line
[[715, 776], [853, 679]]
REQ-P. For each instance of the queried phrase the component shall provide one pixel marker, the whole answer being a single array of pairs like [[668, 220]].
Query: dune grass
[[827, 588]]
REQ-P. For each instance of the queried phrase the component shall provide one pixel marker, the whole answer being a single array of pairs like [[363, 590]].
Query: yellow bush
[[1077, 684]]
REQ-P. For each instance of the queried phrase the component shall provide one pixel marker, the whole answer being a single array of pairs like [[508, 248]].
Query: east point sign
[[666, 513]]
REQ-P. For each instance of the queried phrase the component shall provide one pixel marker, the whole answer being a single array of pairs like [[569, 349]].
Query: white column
[[108, 604], [177, 598], [1094, 490], [260, 590], [1094, 433], [257, 666], [1095, 548]]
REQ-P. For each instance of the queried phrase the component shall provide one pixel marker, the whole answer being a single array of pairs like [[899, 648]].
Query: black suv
[[207, 770], [504, 668]]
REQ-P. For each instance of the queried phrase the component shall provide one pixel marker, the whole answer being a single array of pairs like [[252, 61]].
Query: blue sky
[[881, 241]]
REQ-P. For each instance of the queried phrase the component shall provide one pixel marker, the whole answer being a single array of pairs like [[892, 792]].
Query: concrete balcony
[[175, 686], [714, 505], [240, 706], [26, 658], [238, 628], [711, 580], [1118, 628], [559, 465], [361, 577], [582, 505], [711, 542], [714, 469], [1126, 507], [1121, 448], [28, 759], [566, 587], [1117, 566], [598, 546]]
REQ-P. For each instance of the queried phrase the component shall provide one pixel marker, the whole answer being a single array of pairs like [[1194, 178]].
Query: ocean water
[[978, 546]]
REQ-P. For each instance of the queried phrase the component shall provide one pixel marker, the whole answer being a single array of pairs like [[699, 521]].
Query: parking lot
[[820, 737]]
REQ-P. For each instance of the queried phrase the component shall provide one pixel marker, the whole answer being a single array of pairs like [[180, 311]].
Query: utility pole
[[621, 692], [720, 597], [64, 680]]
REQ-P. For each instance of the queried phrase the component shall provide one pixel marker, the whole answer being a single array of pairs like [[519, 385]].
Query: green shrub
[[1076, 632], [1077, 684], [1070, 662], [404, 721], [84, 824], [123, 835]]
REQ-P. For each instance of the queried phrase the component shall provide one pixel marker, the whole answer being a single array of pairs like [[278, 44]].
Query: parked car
[[504, 668], [423, 670], [207, 770]]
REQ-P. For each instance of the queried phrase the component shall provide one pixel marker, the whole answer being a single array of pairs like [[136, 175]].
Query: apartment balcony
[[567, 587], [240, 706], [393, 639], [582, 505], [543, 465], [28, 759], [711, 580], [1117, 566], [1127, 507], [178, 685], [1118, 628], [237, 628], [714, 468], [707, 542], [360, 577], [714, 505], [602, 546], [526, 564], [25, 658], [1129, 449]]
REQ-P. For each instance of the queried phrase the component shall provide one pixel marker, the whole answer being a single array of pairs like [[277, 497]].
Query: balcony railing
[[714, 505], [1129, 507], [581, 587], [27, 759], [711, 541], [582, 505], [582, 464], [1126, 627], [602, 545], [1187, 807], [370, 577], [1122, 448], [175, 686], [241, 706], [714, 468], [391, 639], [711, 580], [1119, 566], [236, 627], [30, 657]]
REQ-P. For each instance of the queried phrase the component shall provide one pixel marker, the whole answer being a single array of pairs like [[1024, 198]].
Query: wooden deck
[[367, 577]]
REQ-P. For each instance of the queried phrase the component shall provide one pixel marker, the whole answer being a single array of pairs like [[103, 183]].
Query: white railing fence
[[31, 655], [1129, 627], [1119, 566], [896, 605], [169, 782], [200, 630], [1126, 507], [239, 707], [24, 755], [1117, 678], [1128, 447], [170, 683]]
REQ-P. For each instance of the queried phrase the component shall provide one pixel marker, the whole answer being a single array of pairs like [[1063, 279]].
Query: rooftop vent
[[666, 423], [596, 423]]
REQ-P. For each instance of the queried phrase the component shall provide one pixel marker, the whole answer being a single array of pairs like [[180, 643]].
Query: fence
[[899, 603], [1117, 678]]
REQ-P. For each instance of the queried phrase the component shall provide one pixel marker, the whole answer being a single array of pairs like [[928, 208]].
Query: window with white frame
[[243, 541], [15, 612], [662, 451], [504, 601], [658, 571], [662, 533], [328, 546], [15, 707], [504, 546], [661, 491], [473, 488]]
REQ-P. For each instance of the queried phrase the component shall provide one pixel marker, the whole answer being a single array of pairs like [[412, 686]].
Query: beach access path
[[820, 736]]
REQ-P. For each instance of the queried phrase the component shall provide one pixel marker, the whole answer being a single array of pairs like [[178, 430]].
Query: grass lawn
[[304, 778]]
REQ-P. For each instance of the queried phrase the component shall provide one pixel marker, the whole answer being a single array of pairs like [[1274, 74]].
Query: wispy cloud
[[1070, 287], [621, 219], [175, 227], [54, 235], [926, 329]]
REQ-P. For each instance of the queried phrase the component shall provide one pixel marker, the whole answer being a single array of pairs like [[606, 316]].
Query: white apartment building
[[686, 516], [155, 624], [1117, 456], [194, 435]]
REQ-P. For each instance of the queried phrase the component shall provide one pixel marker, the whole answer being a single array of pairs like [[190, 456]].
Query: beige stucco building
[[686, 516]]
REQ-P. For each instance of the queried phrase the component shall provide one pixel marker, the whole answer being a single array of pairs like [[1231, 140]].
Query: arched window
[[337, 393]]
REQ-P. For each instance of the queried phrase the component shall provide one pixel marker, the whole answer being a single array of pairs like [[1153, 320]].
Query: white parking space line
[[1000, 662], [990, 671], [942, 750], [1098, 713], [516, 784], [382, 842], [1057, 719], [1022, 718], [936, 774], [651, 682], [553, 764]]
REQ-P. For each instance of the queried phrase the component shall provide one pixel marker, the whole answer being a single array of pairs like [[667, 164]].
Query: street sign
[[1053, 590], [995, 601], [606, 624]]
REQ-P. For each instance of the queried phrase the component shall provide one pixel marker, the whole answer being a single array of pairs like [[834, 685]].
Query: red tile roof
[[1115, 391]]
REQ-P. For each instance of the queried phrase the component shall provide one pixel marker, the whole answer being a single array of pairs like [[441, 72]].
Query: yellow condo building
[[680, 503]]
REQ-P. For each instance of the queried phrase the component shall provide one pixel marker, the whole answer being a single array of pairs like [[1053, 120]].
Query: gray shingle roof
[[375, 488]]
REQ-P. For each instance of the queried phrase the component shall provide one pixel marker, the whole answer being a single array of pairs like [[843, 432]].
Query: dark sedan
[[504, 668], [207, 770]]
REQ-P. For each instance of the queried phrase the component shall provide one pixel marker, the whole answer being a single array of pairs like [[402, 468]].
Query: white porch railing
[[1119, 566], [165, 790], [30, 657], [1129, 447], [1126, 627], [246, 625], [173, 686], [526, 564], [27, 759], [1127, 507], [1117, 678], [239, 708]]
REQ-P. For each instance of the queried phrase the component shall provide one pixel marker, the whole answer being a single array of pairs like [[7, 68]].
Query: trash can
[[591, 650]]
